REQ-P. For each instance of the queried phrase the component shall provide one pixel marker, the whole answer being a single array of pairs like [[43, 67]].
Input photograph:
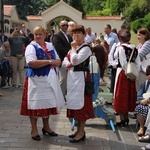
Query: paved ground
[[15, 130]]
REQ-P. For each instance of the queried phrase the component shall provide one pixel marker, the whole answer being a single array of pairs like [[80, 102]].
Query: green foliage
[[105, 12], [135, 25], [141, 23], [117, 6], [138, 9], [93, 5], [26, 7]]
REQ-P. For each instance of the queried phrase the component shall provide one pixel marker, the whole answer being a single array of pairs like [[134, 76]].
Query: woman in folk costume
[[125, 91], [79, 105], [42, 95]]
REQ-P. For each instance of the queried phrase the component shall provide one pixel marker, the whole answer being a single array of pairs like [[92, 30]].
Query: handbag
[[131, 71], [145, 62], [89, 85]]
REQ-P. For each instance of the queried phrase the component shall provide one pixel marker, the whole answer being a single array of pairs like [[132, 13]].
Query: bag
[[131, 71], [19, 56], [5, 72], [5, 68], [89, 87], [145, 62]]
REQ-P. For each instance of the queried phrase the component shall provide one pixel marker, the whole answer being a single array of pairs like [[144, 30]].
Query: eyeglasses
[[64, 25]]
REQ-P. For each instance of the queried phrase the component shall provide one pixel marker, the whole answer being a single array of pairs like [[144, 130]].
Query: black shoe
[[36, 138], [123, 123], [72, 135], [116, 114], [49, 133], [76, 141], [127, 121]]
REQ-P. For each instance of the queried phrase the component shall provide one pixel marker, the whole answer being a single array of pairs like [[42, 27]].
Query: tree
[[27, 7], [141, 23], [117, 6], [137, 9]]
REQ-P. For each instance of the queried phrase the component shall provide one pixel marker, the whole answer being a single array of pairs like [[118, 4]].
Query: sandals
[[145, 138]]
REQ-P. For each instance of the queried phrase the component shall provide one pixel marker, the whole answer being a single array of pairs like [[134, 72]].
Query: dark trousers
[[113, 76]]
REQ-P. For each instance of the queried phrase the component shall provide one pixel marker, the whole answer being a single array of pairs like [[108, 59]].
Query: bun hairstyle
[[78, 28]]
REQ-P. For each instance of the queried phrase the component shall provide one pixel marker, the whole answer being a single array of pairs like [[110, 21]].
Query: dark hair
[[11, 31], [145, 32], [52, 31], [148, 70], [124, 35], [108, 26], [114, 30], [78, 28]]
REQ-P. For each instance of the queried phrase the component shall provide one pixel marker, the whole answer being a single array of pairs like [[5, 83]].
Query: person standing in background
[[17, 56], [90, 37], [125, 91], [50, 36], [109, 36], [3, 37], [61, 42], [23, 30]]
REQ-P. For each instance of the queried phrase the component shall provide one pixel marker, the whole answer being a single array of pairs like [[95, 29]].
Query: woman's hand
[[144, 102], [73, 45], [69, 65]]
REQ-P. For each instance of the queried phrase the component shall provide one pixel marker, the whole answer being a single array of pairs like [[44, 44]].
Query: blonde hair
[[39, 28], [71, 23]]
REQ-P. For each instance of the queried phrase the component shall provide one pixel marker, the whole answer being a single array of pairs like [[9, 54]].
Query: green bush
[[141, 23], [105, 12]]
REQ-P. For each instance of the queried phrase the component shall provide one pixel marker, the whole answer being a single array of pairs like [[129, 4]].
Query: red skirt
[[33, 113], [125, 94], [84, 113]]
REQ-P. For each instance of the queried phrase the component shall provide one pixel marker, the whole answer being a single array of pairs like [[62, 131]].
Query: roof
[[33, 17], [102, 17], [8, 9]]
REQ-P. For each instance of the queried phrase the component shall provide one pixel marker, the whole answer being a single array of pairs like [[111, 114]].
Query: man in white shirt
[[110, 37], [90, 37]]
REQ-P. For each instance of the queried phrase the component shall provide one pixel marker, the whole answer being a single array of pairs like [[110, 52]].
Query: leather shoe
[[72, 135], [36, 138], [76, 141], [49, 133]]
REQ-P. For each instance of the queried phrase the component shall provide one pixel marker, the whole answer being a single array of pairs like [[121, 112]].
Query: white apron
[[75, 89]]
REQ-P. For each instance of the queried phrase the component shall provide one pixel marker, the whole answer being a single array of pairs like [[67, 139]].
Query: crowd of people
[[58, 64]]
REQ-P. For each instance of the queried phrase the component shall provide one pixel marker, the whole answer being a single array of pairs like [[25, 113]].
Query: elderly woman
[[125, 92], [79, 105], [42, 95]]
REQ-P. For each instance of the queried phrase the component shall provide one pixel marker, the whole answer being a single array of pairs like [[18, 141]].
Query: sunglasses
[[64, 25]]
